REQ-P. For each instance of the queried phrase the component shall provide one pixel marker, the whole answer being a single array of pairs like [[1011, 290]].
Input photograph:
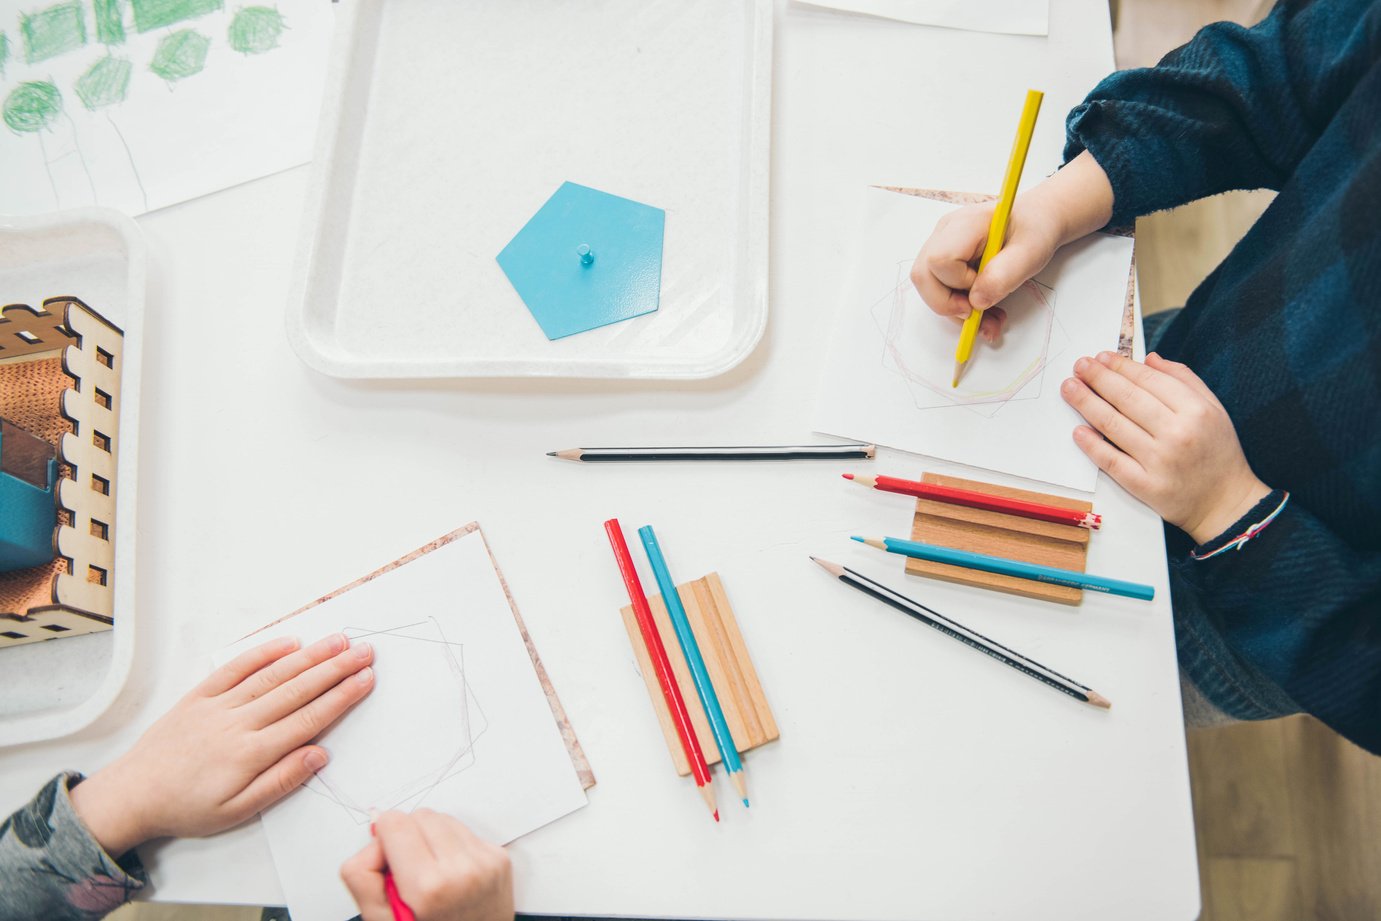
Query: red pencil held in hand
[[970, 499], [661, 664]]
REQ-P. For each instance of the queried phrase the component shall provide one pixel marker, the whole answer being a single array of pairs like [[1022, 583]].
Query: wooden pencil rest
[[1000, 534], [726, 659]]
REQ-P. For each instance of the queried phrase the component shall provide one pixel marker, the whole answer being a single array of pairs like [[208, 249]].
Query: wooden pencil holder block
[[999, 534], [726, 659]]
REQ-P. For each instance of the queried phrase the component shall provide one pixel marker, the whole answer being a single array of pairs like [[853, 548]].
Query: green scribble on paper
[[31, 106], [52, 31], [4, 52], [180, 55], [155, 14], [110, 21], [255, 29], [106, 83]]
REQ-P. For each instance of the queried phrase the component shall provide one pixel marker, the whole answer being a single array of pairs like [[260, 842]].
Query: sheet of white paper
[[94, 111], [457, 722], [1016, 17], [887, 378]]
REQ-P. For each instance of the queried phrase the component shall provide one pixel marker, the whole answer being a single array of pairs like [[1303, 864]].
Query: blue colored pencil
[[704, 688], [1006, 567]]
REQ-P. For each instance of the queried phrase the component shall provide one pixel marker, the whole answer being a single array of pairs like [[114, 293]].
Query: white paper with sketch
[[1015, 17], [457, 722], [887, 377], [140, 105]]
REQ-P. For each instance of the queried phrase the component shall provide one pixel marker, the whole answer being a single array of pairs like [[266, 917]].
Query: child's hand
[[1173, 445], [237, 743], [442, 870], [1075, 201], [945, 272]]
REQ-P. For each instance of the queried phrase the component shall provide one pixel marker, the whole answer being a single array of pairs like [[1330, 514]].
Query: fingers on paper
[[246, 664], [1123, 391], [1116, 427], [283, 777], [300, 690], [939, 297], [1115, 463], [307, 722], [1165, 387], [363, 875], [284, 669], [1183, 375]]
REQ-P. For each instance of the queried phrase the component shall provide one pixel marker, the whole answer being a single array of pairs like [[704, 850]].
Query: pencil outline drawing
[[901, 318], [465, 712]]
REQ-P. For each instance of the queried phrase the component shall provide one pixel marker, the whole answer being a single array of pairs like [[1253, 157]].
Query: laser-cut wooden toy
[[60, 368]]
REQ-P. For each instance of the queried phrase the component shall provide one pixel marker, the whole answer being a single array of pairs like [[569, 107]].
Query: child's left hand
[[236, 744], [1173, 445]]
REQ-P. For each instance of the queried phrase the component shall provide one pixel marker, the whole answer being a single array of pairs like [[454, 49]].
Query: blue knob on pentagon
[[587, 259]]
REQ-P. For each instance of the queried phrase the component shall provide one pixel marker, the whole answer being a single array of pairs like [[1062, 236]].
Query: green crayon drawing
[[106, 83], [110, 21], [4, 52], [52, 31], [180, 55], [31, 107], [155, 14], [255, 29]]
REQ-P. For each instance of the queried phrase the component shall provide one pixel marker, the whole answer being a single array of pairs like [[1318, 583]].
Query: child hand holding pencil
[[443, 871], [1154, 427]]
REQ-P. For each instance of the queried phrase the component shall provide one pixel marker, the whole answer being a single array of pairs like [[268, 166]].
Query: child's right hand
[[946, 275], [443, 871], [1070, 204]]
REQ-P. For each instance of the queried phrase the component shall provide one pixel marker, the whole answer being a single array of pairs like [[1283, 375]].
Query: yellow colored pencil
[[997, 230]]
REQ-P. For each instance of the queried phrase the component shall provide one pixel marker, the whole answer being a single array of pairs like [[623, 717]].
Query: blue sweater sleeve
[[1300, 605], [1235, 108]]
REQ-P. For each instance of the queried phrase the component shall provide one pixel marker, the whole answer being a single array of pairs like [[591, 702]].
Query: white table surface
[[913, 778]]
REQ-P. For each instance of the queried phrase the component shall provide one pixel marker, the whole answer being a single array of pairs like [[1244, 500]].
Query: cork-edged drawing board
[[726, 659], [1000, 534]]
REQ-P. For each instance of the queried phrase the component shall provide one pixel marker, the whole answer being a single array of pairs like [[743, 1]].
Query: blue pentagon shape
[[587, 259]]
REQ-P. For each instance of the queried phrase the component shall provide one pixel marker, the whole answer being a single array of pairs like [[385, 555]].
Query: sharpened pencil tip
[[716, 815], [745, 802], [551, 454], [1098, 700], [861, 540], [848, 476]]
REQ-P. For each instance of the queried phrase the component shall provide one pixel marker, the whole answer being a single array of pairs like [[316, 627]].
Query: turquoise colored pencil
[[704, 688], [1006, 567]]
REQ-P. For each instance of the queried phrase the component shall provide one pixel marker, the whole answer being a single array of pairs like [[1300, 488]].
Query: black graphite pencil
[[972, 638], [714, 453]]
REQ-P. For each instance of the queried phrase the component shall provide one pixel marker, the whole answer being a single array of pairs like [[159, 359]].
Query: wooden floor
[[1288, 815]]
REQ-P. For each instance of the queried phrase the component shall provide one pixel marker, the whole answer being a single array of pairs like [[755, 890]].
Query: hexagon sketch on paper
[[394, 777], [918, 346]]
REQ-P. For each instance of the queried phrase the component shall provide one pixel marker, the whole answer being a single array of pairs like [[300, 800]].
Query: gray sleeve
[[52, 869]]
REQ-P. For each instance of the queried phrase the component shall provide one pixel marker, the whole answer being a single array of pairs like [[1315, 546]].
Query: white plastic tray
[[448, 123], [56, 687]]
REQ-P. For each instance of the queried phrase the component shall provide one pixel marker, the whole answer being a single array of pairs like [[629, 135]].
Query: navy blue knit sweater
[[1286, 331]]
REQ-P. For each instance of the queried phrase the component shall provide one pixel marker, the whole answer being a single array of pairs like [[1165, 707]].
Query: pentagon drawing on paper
[[918, 346], [437, 682]]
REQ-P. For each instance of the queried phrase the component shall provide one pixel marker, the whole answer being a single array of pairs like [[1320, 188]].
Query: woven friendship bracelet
[[1238, 542]]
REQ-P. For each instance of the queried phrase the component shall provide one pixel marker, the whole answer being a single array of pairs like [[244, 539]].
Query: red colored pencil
[[661, 665], [970, 499], [400, 909]]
